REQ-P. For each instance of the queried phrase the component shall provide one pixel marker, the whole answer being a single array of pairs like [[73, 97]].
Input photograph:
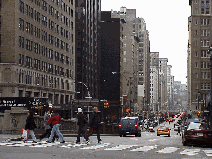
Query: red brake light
[[136, 125], [119, 125]]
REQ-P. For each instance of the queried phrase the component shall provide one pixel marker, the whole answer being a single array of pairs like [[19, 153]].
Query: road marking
[[190, 152], [208, 153], [94, 147], [167, 150], [120, 147], [144, 148]]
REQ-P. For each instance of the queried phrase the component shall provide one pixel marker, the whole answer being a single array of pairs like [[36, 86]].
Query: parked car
[[196, 132], [163, 130], [129, 126]]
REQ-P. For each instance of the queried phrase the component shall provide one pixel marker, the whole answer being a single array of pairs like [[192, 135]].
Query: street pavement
[[149, 146]]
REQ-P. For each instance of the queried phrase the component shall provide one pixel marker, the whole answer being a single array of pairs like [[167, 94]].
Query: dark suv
[[129, 126]]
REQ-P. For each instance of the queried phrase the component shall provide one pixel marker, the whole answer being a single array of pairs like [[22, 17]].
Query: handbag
[[25, 133]]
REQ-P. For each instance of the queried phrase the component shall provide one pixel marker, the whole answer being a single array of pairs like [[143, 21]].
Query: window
[[124, 52], [196, 55], [124, 60], [196, 65], [207, 1], [125, 45], [196, 22], [207, 10], [202, 10]]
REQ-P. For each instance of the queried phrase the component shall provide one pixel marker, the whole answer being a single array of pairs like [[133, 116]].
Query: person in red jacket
[[55, 120]]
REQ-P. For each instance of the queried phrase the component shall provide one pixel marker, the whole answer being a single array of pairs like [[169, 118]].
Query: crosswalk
[[111, 147]]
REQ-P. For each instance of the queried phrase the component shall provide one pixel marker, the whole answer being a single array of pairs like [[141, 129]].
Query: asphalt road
[[149, 146]]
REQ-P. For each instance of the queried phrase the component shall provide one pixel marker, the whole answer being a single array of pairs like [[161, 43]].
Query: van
[[129, 126]]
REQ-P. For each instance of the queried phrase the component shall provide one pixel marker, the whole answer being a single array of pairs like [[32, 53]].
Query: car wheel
[[169, 135], [185, 143], [120, 135], [158, 135], [139, 135], [124, 135]]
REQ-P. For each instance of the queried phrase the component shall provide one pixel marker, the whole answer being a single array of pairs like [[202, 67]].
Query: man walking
[[30, 124], [81, 122], [56, 123], [48, 127], [94, 125]]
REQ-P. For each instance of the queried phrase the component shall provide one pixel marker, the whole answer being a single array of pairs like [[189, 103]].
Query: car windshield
[[131, 121], [193, 125]]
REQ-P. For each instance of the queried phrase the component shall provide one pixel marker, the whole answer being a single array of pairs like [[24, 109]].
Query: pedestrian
[[56, 123], [94, 125], [81, 123], [30, 124], [48, 127]]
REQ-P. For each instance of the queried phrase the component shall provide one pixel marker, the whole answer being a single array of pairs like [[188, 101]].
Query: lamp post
[[210, 110]]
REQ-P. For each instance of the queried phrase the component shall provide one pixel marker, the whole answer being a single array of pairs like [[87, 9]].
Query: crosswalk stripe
[[208, 153], [144, 148], [120, 147], [190, 152], [167, 150]]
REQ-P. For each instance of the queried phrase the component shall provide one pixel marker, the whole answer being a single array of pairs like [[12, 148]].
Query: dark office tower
[[87, 16], [109, 73]]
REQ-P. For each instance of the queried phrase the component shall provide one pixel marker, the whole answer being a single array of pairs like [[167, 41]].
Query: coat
[[94, 120], [46, 118], [30, 123], [55, 120], [81, 120]]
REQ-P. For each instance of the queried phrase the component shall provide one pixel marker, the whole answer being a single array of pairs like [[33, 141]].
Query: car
[[129, 126], [151, 129], [163, 130], [196, 132]]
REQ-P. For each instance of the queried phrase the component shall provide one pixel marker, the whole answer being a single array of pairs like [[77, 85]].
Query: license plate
[[128, 132], [199, 134]]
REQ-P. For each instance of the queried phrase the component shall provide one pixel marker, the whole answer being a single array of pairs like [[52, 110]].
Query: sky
[[167, 23]]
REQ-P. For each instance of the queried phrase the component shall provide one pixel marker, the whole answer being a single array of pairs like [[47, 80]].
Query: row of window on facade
[[44, 66], [204, 32], [203, 65], [204, 43], [33, 30], [44, 51], [204, 21], [204, 75], [31, 12], [33, 78]]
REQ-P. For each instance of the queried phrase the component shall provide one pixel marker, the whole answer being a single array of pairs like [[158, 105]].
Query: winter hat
[[79, 110]]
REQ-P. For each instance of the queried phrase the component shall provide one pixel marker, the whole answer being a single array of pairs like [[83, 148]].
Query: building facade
[[135, 50], [154, 81], [88, 15], [198, 65], [37, 52], [163, 94]]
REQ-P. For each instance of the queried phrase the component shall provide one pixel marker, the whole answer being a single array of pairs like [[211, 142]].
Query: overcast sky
[[167, 23]]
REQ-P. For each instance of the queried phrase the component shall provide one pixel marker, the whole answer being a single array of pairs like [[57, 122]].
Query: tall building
[[87, 19], [170, 87], [154, 81], [163, 94], [198, 65], [135, 46], [180, 97], [37, 49], [110, 43]]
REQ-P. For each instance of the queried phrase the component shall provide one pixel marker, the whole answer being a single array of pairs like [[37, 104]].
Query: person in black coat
[[94, 125], [30, 124], [81, 122]]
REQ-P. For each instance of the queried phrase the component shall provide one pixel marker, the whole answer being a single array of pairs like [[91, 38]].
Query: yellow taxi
[[163, 130]]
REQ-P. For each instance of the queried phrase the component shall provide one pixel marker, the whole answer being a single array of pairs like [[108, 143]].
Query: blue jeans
[[55, 128], [31, 132]]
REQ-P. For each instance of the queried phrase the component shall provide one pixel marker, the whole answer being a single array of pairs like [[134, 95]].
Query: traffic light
[[106, 104], [50, 106], [198, 113]]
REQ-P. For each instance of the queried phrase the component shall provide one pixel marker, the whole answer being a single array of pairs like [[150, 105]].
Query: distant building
[[154, 81]]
